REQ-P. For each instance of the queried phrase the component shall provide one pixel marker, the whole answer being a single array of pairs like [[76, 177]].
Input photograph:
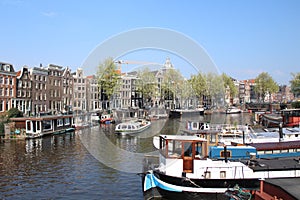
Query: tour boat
[[132, 127], [186, 171], [233, 110]]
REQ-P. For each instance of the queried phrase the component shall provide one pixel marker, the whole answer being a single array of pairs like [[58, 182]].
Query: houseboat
[[43, 125], [107, 119], [177, 113], [95, 117], [288, 118], [185, 171], [132, 127]]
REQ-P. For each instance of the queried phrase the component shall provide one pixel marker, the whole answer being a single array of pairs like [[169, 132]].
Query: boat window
[[28, 126], [223, 154], [260, 152], [198, 150], [162, 146], [60, 122], [207, 174], [174, 149], [195, 125], [275, 151], [188, 149], [213, 138], [67, 121], [38, 128], [47, 125], [269, 152], [222, 174], [129, 127]]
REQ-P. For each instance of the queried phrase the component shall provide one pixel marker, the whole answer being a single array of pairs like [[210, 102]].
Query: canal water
[[93, 163]]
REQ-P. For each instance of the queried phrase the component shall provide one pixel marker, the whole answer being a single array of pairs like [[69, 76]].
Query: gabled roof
[[7, 67]]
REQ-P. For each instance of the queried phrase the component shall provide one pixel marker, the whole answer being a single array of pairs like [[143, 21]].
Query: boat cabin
[[181, 151], [291, 117], [188, 156]]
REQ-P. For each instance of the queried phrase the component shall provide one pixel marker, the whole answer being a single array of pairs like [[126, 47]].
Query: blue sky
[[243, 38]]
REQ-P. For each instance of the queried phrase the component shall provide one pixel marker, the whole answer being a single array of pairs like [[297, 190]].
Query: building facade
[[7, 86], [23, 100], [67, 90], [55, 88], [93, 94], [79, 97], [40, 85]]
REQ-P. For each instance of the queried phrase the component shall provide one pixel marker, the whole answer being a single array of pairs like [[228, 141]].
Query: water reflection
[[60, 166], [33, 145]]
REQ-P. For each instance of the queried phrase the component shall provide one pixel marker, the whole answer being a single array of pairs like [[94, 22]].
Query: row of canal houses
[[57, 89], [41, 89]]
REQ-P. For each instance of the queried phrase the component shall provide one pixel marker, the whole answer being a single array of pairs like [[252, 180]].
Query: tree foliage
[[295, 84], [265, 85], [199, 84], [228, 82], [172, 82], [215, 89], [14, 112], [146, 83], [108, 76]]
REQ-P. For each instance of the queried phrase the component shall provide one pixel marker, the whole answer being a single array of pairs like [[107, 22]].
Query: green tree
[[295, 84], [265, 85], [215, 89], [108, 76], [146, 84], [14, 112], [199, 84], [228, 82], [172, 83]]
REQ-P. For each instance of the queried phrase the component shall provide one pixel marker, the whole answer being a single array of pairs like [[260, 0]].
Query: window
[[1, 105], [67, 121], [222, 174], [60, 122], [47, 125], [207, 174], [213, 138], [1, 80], [227, 152]]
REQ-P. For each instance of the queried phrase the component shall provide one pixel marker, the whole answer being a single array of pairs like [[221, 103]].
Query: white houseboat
[[185, 171], [44, 125]]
